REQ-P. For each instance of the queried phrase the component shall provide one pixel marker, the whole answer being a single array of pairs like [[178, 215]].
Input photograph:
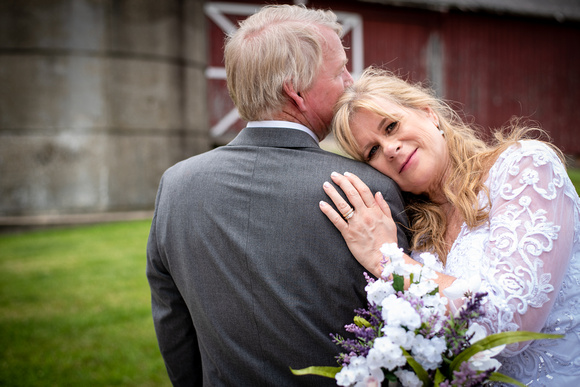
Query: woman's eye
[[372, 152], [391, 126]]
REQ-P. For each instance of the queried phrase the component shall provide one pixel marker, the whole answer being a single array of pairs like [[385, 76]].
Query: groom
[[248, 277]]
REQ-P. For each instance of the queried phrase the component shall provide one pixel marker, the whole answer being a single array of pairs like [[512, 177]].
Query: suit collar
[[282, 124], [274, 137]]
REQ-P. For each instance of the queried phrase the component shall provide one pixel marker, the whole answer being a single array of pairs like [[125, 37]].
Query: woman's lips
[[407, 161]]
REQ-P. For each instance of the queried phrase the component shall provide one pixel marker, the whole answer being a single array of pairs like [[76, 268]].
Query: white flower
[[378, 290], [399, 336], [429, 259], [461, 286], [408, 378], [422, 288], [427, 352], [356, 371], [436, 302], [399, 312], [385, 354], [483, 361], [373, 380], [458, 289], [434, 306], [406, 269], [392, 251], [345, 377], [397, 263], [430, 263]]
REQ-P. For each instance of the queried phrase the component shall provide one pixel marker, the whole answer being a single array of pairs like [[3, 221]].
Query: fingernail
[[322, 204], [347, 174], [380, 194], [334, 174], [326, 184]]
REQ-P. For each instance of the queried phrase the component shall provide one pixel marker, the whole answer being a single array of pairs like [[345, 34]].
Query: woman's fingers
[[383, 205], [355, 190], [365, 222], [343, 207], [333, 216], [357, 193]]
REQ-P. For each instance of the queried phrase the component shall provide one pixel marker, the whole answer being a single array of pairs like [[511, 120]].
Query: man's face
[[331, 80]]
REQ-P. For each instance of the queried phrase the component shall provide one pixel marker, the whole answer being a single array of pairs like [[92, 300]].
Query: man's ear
[[294, 96]]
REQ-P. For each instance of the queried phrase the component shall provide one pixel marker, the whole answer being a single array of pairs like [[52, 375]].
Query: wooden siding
[[495, 67], [504, 67]]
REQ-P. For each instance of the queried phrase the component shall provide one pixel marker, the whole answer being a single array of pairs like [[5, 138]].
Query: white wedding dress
[[528, 259]]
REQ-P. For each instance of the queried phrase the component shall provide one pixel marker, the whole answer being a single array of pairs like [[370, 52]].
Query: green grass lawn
[[574, 174], [75, 308]]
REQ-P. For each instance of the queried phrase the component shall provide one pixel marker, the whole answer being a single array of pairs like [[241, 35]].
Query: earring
[[442, 132]]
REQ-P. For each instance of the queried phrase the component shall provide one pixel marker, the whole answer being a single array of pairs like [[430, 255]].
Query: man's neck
[[293, 115]]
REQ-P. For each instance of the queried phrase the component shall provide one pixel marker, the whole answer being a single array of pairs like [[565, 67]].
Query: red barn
[[497, 59]]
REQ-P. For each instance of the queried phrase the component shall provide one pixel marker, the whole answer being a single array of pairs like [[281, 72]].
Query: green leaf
[[398, 282], [419, 370], [390, 376], [439, 377], [328, 372], [497, 377], [361, 322], [495, 340]]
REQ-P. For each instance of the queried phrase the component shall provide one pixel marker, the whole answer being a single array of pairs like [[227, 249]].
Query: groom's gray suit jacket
[[248, 276]]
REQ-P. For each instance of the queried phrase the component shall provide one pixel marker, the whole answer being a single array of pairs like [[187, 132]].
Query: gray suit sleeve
[[173, 325]]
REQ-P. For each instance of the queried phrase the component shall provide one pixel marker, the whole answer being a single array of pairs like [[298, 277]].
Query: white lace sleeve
[[531, 236]]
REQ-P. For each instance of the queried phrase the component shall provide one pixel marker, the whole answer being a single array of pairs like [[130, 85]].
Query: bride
[[504, 216]]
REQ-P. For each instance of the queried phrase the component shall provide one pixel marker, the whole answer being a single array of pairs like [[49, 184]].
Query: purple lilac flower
[[364, 335], [468, 377], [455, 328]]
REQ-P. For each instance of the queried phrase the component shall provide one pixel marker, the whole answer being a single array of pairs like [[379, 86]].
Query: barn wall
[[494, 66]]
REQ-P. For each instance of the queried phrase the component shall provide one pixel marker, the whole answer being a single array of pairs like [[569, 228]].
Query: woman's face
[[409, 148]]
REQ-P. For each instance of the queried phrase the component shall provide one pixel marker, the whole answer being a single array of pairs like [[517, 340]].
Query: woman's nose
[[391, 149]]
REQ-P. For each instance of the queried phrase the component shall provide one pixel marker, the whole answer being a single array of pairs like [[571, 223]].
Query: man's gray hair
[[278, 44]]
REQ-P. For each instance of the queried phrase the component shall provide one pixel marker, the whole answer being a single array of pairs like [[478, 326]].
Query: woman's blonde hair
[[470, 157], [280, 43]]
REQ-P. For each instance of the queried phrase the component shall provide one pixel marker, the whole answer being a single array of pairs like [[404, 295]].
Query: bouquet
[[408, 336]]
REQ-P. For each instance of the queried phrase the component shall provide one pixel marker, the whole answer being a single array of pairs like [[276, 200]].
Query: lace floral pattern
[[528, 258]]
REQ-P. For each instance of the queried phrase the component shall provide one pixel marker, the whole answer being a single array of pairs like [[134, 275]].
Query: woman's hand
[[368, 227]]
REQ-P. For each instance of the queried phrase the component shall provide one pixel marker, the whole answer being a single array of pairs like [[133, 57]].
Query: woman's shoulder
[[530, 146], [530, 152], [529, 163]]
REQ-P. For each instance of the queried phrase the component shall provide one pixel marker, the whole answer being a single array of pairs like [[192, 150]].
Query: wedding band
[[349, 214]]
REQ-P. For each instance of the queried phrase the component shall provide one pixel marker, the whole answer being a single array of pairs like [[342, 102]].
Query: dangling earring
[[440, 130]]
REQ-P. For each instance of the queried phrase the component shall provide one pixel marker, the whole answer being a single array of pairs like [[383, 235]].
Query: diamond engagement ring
[[349, 214]]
